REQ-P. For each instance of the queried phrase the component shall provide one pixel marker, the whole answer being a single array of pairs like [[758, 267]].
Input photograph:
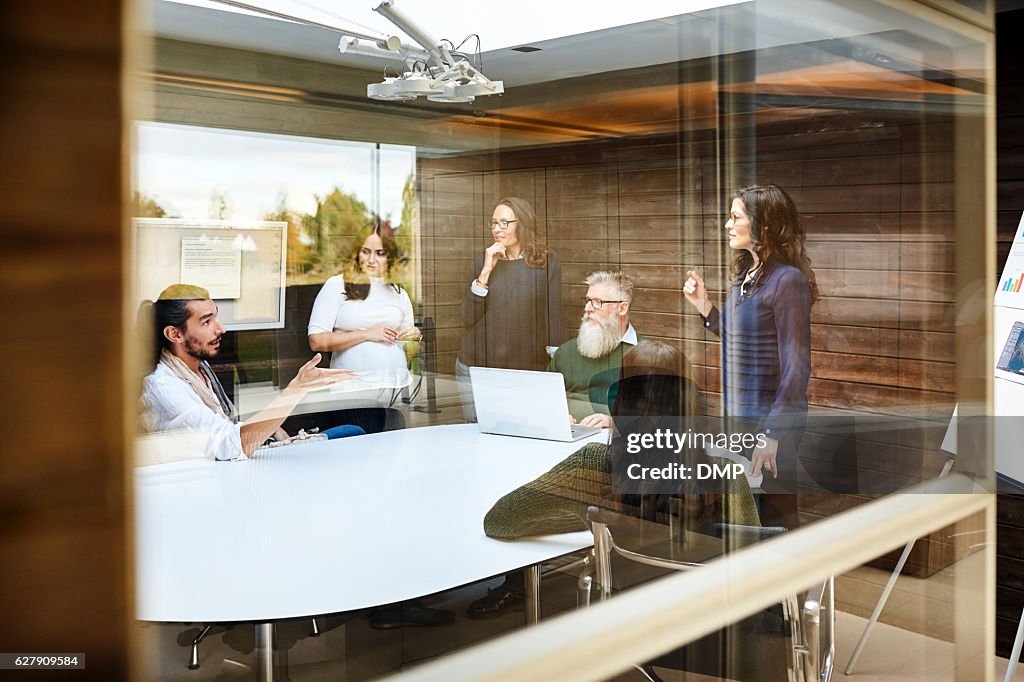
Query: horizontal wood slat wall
[[877, 207]]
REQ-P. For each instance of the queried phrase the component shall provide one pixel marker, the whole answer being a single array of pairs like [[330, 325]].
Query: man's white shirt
[[170, 404]]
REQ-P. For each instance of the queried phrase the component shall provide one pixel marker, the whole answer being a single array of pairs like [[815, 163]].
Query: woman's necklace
[[748, 279]]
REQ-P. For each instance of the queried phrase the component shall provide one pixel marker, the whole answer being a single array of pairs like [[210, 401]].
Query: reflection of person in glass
[[765, 326], [362, 317], [512, 308], [654, 390]]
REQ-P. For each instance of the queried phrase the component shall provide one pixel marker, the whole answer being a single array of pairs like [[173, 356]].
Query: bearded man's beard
[[198, 350], [598, 336]]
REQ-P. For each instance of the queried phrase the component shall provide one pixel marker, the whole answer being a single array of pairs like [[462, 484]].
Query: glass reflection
[[604, 173]]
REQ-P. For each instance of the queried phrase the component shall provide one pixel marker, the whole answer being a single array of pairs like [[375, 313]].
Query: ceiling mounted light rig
[[433, 70]]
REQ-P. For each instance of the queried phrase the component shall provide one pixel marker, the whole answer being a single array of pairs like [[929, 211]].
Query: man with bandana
[[182, 392]]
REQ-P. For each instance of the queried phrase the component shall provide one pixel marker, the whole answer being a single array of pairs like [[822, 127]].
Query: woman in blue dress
[[765, 328]]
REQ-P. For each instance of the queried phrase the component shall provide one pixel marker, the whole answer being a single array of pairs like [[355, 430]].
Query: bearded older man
[[591, 362]]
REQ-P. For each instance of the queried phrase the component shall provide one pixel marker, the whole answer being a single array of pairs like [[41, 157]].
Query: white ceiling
[[527, 22], [579, 46]]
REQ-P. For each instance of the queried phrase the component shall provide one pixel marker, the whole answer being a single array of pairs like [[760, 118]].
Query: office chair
[[810, 629]]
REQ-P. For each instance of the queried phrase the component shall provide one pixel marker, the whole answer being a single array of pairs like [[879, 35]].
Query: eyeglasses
[[597, 302], [503, 224]]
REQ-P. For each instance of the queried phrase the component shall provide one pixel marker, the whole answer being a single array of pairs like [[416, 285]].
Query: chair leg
[[585, 582], [315, 630], [583, 586], [193, 661]]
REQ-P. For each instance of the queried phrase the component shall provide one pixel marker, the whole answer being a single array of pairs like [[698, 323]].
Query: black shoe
[[495, 603], [409, 614]]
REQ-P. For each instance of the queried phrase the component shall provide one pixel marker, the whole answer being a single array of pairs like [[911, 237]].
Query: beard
[[197, 350], [598, 336]]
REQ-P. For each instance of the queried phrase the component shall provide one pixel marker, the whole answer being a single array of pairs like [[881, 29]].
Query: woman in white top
[[362, 322], [362, 318]]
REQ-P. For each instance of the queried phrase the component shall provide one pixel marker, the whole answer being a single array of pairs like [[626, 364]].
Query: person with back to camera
[[654, 387], [363, 317], [765, 330], [512, 309], [654, 392]]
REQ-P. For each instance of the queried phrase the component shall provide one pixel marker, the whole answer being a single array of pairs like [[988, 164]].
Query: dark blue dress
[[766, 355]]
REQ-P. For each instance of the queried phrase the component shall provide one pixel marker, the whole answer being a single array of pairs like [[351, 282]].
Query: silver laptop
[[515, 402]]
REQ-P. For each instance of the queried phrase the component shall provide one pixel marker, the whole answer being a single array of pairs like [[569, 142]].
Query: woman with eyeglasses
[[512, 309], [765, 328], [363, 319]]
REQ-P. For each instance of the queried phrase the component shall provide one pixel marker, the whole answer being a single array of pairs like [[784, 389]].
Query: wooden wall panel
[[877, 208], [66, 415]]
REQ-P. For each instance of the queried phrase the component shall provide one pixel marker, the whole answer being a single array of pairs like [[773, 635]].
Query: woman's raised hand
[[696, 293], [494, 253]]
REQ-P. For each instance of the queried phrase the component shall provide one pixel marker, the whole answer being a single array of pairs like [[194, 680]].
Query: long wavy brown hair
[[535, 249], [775, 231]]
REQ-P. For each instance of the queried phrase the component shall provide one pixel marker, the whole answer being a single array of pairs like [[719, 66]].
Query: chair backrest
[[810, 627]]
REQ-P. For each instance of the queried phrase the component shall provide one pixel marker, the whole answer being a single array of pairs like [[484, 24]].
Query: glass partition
[[752, 239]]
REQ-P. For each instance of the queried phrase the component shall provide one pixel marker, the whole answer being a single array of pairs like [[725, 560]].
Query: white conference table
[[332, 526]]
